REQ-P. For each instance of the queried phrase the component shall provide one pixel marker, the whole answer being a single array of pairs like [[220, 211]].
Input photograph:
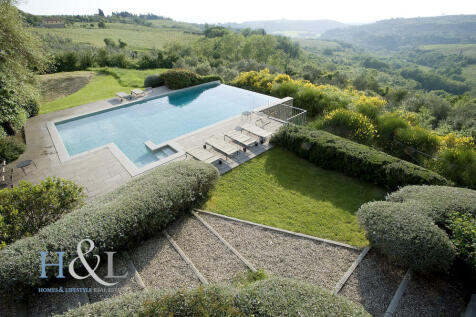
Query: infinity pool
[[158, 120]]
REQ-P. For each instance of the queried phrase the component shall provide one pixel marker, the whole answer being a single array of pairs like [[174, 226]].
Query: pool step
[[213, 259]]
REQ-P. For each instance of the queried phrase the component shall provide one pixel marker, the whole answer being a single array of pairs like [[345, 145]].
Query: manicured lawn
[[281, 190], [102, 86]]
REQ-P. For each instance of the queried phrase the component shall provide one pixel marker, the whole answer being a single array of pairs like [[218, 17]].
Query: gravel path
[[46, 304], [373, 283], [216, 262], [285, 255], [435, 297], [160, 266], [125, 285]]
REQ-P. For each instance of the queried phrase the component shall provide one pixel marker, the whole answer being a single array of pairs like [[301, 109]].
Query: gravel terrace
[[160, 266], [436, 297], [373, 283], [213, 259], [285, 255]]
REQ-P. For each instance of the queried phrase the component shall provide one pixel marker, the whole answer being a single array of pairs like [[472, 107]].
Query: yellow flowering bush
[[255, 81], [349, 124], [370, 107], [452, 140]]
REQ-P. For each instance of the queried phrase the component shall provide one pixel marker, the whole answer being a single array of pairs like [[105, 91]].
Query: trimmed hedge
[[155, 80], [182, 78], [438, 201], [10, 149], [117, 220], [270, 297], [354, 159], [406, 235]]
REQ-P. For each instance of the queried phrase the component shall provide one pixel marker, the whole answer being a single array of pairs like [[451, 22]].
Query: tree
[[122, 44], [110, 42], [21, 53], [101, 25], [100, 13]]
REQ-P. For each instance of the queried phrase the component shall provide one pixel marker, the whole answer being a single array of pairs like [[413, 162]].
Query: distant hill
[[395, 33], [292, 28]]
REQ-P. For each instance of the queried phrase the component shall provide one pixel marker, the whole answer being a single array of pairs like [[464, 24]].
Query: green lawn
[[281, 190], [136, 36], [102, 86]]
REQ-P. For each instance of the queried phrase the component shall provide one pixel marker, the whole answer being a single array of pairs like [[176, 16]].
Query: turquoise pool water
[[158, 120]]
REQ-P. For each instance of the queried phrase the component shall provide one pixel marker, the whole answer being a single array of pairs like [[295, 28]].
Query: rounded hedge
[[182, 78], [438, 201], [406, 235], [114, 221], [10, 149], [155, 80], [270, 297]]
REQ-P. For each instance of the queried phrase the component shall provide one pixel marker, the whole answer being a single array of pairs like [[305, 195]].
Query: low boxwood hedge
[[182, 78], [438, 201], [114, 221], [354, 159], [407, 236], [270, 297], [154, 80]]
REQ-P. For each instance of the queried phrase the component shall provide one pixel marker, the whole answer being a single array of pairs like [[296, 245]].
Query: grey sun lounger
[[261, 133], [203, 155], [221, 146], [122, 95], [242, 139]]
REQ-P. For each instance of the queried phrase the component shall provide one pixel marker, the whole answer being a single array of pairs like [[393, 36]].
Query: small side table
[[24, 164]]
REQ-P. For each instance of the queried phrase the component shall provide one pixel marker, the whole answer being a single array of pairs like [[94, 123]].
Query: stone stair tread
[[160, 266], [435, 297], [47, 304], [211, 257], [124, 285], [284, 255]]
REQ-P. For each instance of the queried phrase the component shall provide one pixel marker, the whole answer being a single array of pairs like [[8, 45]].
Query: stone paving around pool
[[99, 171]]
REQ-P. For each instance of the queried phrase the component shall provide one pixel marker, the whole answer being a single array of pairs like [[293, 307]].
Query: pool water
[[158, 120]]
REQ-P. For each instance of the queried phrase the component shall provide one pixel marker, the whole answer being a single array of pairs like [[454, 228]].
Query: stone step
[[160, 266], [284, 254], [217, 263]]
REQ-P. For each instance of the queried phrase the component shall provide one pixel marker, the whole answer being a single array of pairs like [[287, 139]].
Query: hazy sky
[[212, 11]]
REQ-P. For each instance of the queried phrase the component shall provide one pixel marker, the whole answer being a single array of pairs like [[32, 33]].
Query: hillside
[[292, 28], [396, 33]]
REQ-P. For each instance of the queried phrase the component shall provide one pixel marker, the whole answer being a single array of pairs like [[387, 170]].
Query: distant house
[[52, 23]]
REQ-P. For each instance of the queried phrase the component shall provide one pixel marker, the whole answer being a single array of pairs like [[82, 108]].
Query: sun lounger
[[261, 133], [122, 95], [203, 155], [242, 139], [137, 92], [221, 146]]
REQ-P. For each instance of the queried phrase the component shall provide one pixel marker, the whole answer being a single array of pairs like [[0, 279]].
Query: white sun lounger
[[137, 92], [203, 155], [242, 139], [261, 133], [122, 95], [221, 146]]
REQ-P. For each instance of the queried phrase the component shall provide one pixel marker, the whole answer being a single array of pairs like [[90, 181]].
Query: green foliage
[[249, 277], [154, 80], [270, 297], [254, 81], [182, 78], [26, 208], [353, 159], [10, 149], [349, 124], [463, 236], [406, 235], [114, 221], [457, 164], [408, 227]]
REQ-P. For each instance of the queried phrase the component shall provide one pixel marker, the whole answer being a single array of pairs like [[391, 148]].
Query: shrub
[[114, 221], [270, 297], [349, 124], [288, 88], [406, 235], [153, 81], [10, 149], [181, 78], [255, 81], [457, 164], [26, 208], [370, 107], [418, 141], [32, 107], [438, 201], [330, 151], [463, 235]]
